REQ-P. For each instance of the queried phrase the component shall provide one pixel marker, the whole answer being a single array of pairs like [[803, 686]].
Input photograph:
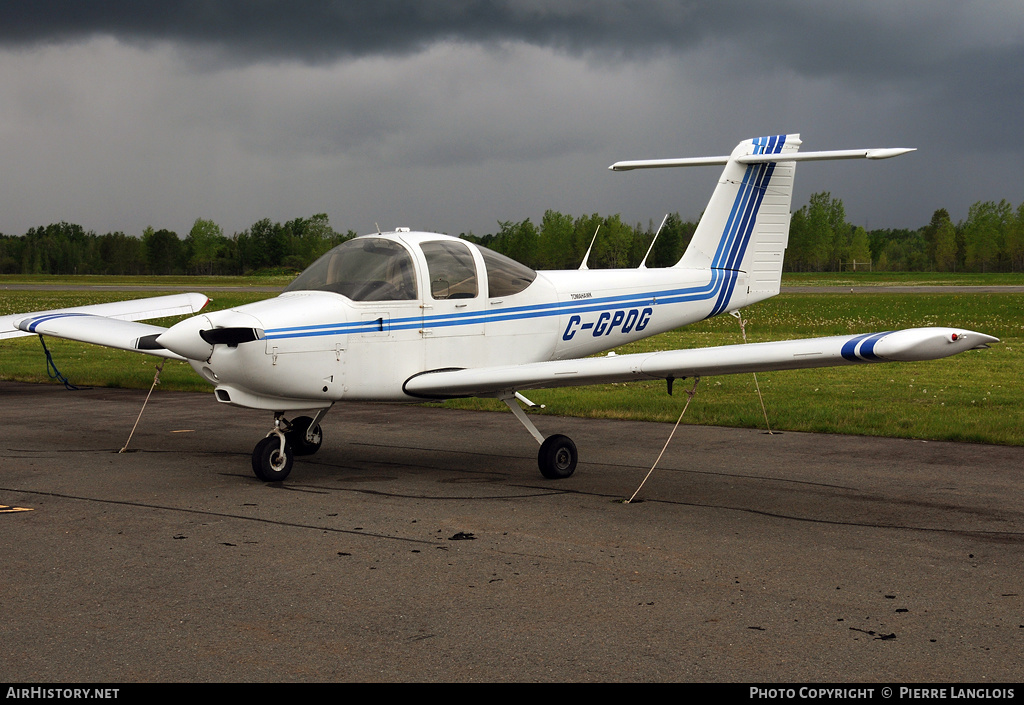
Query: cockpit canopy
[[374, 268]]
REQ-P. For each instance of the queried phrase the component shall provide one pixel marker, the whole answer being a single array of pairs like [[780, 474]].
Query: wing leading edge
[[913, 344]]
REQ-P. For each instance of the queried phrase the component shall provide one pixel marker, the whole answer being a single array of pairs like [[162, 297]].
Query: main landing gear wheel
[[267, 461], [557, 457], [297, 436]]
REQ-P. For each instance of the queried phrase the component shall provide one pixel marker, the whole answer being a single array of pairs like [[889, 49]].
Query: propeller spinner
[[195, 337]]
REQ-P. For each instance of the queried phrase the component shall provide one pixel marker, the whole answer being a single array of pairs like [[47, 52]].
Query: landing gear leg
[[557, 457], [305, 434]]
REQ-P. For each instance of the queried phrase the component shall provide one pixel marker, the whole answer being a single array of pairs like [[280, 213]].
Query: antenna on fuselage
[[378, 228], [643, 265], [587, 256]]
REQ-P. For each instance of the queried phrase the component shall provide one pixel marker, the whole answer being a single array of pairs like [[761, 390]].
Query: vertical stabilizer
[[745, 228]]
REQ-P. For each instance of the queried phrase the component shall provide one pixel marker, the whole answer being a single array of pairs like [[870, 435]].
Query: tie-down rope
[[55, 374], [743, 329], [156, 381], [690, 394]]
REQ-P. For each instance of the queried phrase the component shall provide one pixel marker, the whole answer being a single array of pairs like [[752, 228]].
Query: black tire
[[557, 457], [267, 463], [297, 436]]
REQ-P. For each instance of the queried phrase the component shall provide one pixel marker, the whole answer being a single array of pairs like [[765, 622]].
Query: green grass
[[197, 283], [191, 282], [975, 396], [901, 279]]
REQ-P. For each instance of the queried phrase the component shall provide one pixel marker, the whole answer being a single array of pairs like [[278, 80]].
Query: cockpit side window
[[363, 269], [451, 269], [505, 276]]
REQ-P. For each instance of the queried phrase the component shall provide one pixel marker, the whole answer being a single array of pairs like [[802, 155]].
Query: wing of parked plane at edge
[[911, 345], [112, 324]]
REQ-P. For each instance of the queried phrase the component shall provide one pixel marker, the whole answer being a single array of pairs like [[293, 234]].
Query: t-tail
[[742, 236]]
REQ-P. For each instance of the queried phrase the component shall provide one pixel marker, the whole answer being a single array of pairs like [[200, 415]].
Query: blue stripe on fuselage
[[651, 298]]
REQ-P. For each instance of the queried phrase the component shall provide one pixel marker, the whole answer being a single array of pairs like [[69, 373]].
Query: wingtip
[[889, 152]]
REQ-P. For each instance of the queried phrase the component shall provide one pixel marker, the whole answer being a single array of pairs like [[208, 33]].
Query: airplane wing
[[913, 344], [112, 324]]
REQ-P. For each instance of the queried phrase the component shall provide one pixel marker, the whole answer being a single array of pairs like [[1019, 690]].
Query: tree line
[[66, 248], [991, 239]]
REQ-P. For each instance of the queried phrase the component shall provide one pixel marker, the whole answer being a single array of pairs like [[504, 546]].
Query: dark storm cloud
[[812, 37], [953, 46], [410, 102], [318, 30]]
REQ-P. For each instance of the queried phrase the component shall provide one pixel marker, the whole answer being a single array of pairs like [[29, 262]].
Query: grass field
[[197, 283], [975, 396], [176, 283], [902, 279]]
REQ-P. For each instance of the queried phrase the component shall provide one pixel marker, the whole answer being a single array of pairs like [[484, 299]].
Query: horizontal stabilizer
[[909, 345], [133, 310], [883, 153]]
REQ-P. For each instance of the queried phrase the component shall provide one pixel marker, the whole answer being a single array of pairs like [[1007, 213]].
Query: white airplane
[[408, 316]]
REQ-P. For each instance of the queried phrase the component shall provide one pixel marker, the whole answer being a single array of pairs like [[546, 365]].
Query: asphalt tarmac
[[423, 545]]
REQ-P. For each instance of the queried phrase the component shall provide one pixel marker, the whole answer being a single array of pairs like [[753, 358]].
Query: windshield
[[363, 269]]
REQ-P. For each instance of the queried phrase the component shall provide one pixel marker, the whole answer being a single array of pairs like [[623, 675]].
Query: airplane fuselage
[[319, 347]]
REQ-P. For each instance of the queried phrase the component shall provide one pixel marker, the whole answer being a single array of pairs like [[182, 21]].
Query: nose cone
[[183, 338]]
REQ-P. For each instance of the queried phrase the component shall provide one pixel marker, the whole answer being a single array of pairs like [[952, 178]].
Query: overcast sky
[[451, 116]]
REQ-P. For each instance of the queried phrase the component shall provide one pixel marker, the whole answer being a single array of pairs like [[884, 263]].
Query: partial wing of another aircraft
[[111, 324]]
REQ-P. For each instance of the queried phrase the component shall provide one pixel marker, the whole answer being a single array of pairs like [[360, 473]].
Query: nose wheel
[[272, 458]]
